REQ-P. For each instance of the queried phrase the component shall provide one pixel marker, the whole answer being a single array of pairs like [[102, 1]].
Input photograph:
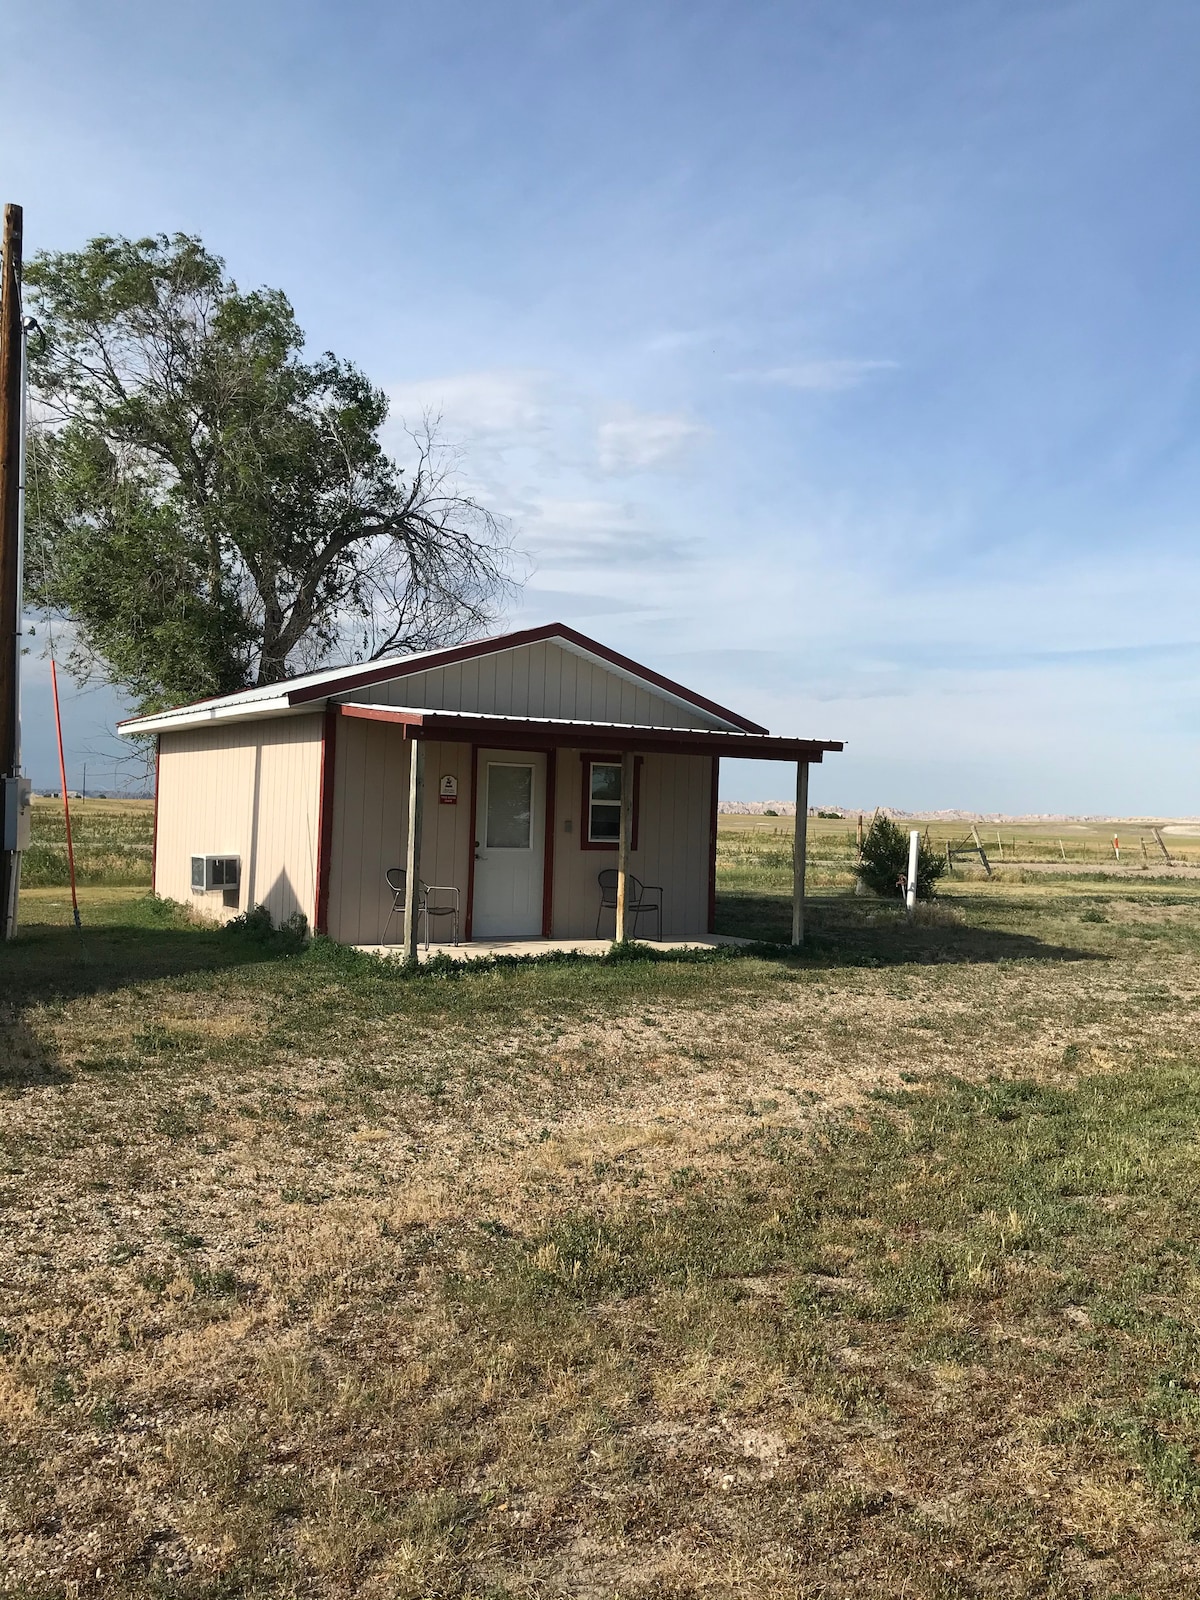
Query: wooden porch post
[[624, 840], [800, 852], [412, 865]]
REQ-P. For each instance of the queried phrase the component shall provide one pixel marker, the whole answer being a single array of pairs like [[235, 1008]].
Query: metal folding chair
[[445, 901], [448, 894], [637, 901]]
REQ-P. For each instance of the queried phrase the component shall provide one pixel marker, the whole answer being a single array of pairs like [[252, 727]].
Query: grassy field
[[113, 840], [832, 842], [871, 1271], [755, 862]]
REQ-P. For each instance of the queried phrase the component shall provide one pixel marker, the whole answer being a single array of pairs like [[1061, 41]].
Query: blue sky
[[840, 360]]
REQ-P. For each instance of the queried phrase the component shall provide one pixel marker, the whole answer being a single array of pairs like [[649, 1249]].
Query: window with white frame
[[604, 802]]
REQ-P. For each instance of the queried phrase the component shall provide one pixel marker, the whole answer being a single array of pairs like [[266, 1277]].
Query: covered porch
[[614, 750], [484, 949]]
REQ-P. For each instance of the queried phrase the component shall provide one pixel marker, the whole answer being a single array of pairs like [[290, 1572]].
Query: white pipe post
[[910, 891]]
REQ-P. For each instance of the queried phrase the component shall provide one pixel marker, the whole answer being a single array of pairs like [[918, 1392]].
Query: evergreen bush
[[884, 864]]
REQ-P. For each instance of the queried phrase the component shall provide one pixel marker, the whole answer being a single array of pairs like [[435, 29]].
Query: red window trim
[[586, 758]]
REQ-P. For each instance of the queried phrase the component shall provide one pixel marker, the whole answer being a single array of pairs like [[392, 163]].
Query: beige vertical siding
[[537, 680], [252, 790], [673, 847], [370, 827]]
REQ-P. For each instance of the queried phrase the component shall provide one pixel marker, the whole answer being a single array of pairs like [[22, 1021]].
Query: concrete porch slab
[[480, 949]]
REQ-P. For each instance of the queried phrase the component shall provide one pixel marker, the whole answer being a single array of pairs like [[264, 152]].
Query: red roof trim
[[548, 733], [410, 719], [514, 641]]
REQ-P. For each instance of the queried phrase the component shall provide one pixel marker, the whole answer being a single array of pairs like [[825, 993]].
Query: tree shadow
[[26, 1061], [841, 931], [51, 965]]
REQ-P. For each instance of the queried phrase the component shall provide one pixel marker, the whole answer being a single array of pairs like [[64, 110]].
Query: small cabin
[[534, 786]]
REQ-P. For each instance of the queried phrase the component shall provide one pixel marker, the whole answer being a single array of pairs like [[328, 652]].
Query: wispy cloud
[[564, 605], [646, 442], [598, 534], [671, 340], [497, 403], [823, 376]]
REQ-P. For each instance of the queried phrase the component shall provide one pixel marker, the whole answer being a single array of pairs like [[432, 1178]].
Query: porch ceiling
[[550, 733]]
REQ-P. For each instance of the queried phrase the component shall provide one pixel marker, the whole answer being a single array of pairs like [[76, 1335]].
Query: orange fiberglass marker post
[[62, 773]]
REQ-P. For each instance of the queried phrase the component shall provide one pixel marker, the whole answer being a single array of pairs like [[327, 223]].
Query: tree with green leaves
[[883, 866], [211, 510]]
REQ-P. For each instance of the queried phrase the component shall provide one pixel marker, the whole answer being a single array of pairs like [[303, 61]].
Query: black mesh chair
[[433, 900], [637, 899]]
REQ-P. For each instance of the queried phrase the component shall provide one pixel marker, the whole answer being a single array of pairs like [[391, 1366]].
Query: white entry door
[[509, 844]]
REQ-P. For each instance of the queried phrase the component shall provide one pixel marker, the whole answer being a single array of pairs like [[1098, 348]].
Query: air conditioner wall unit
[[211, 873]]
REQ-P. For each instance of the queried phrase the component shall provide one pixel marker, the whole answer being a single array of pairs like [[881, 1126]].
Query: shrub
[[255, 925], [884, 864]]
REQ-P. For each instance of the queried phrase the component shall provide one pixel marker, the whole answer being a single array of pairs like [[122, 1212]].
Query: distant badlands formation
[[787, 808]]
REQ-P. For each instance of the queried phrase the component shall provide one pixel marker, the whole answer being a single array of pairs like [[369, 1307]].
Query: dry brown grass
[[598, 1282]]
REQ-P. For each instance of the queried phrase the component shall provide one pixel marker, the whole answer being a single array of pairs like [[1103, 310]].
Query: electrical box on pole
[[18, 813]]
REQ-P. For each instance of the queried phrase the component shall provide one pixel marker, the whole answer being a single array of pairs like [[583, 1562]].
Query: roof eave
[[201, 716], [560, 732]]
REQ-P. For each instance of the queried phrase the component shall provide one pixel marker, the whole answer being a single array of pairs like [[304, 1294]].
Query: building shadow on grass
[[49, 965], [841, 931]]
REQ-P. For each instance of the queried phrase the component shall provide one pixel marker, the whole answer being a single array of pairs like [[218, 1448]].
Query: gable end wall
[[537, 680]]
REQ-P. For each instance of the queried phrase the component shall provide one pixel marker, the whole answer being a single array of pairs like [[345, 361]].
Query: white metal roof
[[295, 695], [502, 717], [267, 700]]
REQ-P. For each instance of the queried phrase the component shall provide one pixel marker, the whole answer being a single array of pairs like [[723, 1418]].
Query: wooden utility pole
[[10, 621], [412, 858], [624, 847]]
